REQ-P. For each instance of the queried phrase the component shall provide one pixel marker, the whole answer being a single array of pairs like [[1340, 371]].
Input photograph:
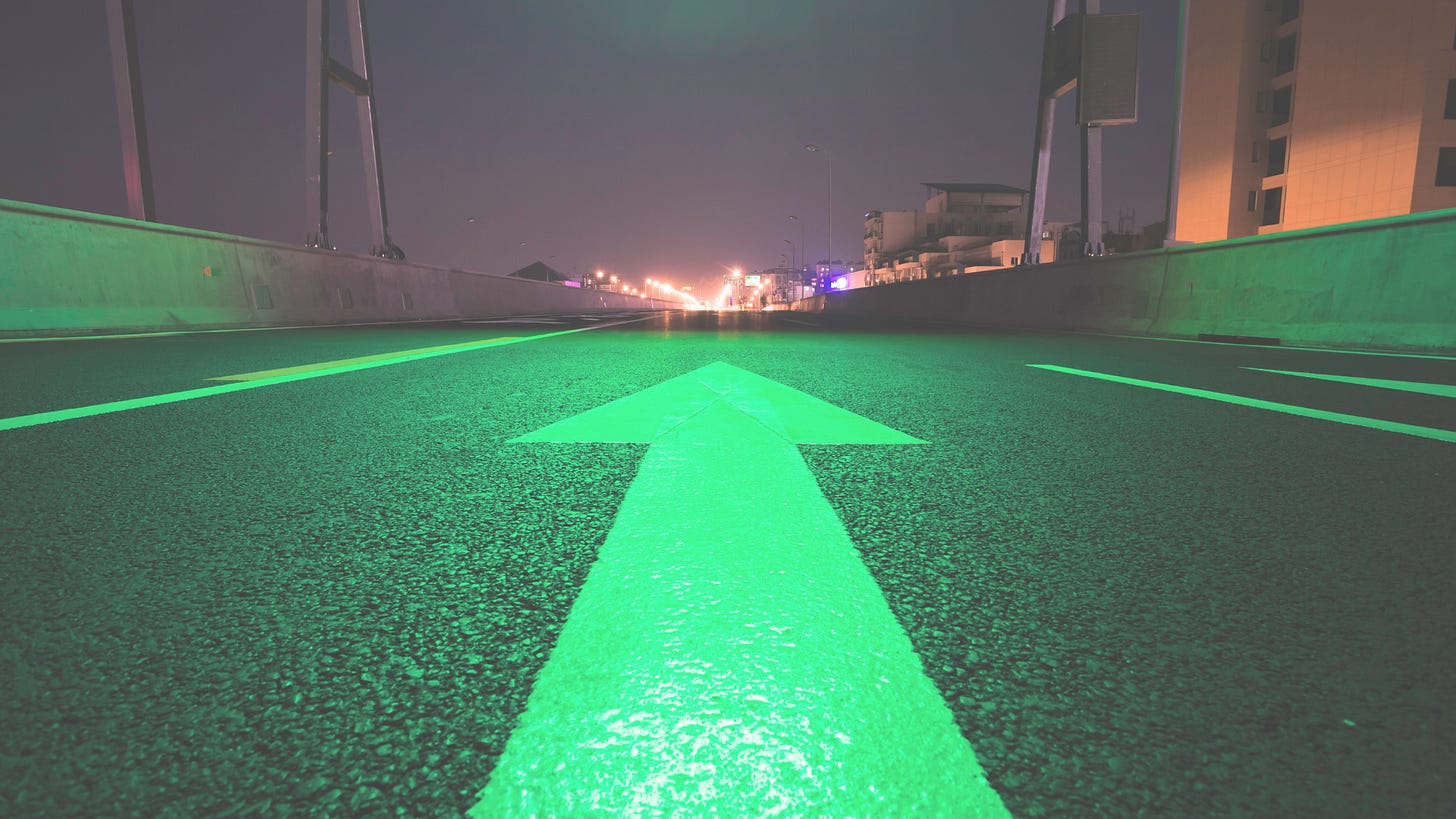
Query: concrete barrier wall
[[63, 270], [1381, 283]]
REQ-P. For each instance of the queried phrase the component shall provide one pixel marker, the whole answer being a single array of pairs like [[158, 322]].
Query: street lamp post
[[803, 257], [828, 205], [802, 243]]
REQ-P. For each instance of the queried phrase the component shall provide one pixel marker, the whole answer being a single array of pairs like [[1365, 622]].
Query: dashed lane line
[[161, 333], [1423, 387], [1380, 353], [297, 374], [381, 357], [1290, 409]]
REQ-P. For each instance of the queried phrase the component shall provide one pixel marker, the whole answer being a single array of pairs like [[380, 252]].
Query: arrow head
[[715, 402]]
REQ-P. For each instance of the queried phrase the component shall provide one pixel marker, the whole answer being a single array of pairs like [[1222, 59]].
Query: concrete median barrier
[[1380, 283], [66, 271]]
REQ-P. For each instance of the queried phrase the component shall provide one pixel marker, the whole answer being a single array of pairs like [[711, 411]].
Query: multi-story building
[[1304, 114], [957, 227]]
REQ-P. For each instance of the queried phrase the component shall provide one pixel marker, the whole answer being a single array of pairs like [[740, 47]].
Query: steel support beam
[[316, 126], [369, 132], [1092, 190], [1170, 235], [1091, 171], [131, 113], [322, 70], [1041, 156]]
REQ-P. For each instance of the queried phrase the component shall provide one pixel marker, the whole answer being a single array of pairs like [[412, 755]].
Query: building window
[[1266, 51], [1284, 57], [1253, 201], [1258, 153], [1261, 102], [1280, 104], [1288, 10], [1273, 206], [1278, 149], [1450, 99], [1446, 168]]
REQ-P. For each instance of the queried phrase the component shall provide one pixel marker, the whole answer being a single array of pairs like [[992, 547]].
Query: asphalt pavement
[[312, 572]]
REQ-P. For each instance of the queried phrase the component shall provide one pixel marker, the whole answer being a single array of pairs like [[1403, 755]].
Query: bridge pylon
[[357, 79]]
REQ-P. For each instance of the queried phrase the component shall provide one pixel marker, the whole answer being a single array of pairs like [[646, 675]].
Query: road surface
[[314, 572]]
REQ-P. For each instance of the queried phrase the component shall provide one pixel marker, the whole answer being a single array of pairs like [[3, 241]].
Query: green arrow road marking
[[1425, 387], [1291, 409], [729, 653]]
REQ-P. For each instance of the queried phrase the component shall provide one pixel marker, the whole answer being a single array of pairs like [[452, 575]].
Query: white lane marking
[[158, 333], [517, 321], [53, 416], [161, 333], [1424, 387], [1435, 356], [1289, 409]]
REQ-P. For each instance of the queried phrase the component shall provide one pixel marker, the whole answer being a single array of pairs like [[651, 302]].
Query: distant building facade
[[1300, 114], [541, 272], [964, 225]]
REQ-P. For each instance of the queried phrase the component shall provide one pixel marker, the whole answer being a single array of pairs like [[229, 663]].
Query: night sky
[[658, 138]]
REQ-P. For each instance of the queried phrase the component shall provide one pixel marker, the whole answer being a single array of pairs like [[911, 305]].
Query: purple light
[[839, 283]]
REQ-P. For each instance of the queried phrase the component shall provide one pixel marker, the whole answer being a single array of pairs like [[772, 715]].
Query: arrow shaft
[[729, 653]]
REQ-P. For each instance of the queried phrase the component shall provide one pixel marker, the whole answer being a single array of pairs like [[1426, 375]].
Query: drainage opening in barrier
[[262, 299]]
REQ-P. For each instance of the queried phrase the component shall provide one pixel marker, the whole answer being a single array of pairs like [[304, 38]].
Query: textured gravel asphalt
[[330, 597]]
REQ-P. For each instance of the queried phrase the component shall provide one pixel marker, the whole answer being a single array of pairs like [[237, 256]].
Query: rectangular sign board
[[1107, 88]]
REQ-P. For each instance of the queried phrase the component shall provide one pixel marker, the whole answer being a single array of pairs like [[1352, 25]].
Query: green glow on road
[[729, 653], [1306, 412], [297, 374], [1427, 388]]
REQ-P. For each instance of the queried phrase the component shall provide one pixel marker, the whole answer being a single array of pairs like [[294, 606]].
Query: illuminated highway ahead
[[741, 563]]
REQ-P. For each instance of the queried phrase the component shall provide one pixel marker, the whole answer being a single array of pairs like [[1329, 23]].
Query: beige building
[[1299, 114], [959, 224]]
